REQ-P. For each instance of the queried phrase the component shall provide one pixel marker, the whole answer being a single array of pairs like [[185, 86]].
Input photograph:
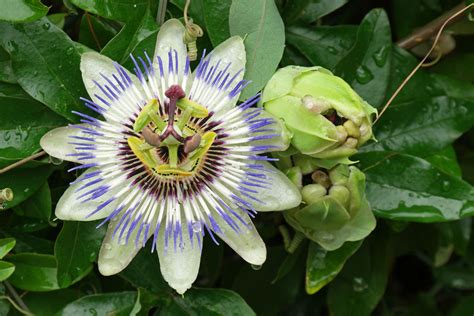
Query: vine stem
[[452, 17], [22, 162], [160, 17], [428, 30], [21, 305]]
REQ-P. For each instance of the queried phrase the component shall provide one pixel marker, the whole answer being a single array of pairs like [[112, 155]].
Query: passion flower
[[328, 119], [172, 157]]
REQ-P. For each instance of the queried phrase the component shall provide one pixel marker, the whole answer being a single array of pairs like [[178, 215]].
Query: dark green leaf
[[34, 272], [38, 205], [367, 65], [100, 304], [323, 266], [464, 307], [29, 243], [123, 10], [23, 122], [46, 64], [216, 16], [323, 46], [308, 11], [144, 271], [131, 36], [208, 302], [97, 34], [439, 111], [57, 19], [6, 245], [404, 187], [6, 70], [24, 182], [361, 284], [6, 269], [56, 300], [262, 27], [22, 10], [76, 249], [256, 286]]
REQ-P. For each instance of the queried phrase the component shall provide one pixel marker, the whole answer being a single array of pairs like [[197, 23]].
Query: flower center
[[171, 145]]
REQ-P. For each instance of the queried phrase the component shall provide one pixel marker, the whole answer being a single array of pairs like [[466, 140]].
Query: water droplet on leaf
[[46, 26], [380, 56], [107, 246], [359, 284], [363, 75], [332, 50], [69, 51]]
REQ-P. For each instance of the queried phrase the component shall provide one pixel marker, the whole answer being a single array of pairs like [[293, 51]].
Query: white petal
[[247, 243], [230, 52], [179, 268], [56, 143], [280, 142], [281, 195], [170, 37], [114, 256], [92, 66], [70, 208]]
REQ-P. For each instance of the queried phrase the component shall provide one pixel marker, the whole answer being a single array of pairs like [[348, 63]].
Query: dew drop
[[55, 161], [93, 311], [380, 56], [26, 190], [446, 185], [332, 50], [363, 75], [107, 246], [256, 267], [458, 283], [359, 284], [134, 5], [46, 26], [69, 51]]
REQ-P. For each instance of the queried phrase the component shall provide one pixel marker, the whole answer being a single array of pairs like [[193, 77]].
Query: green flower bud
[[337, 209], [327, 118]]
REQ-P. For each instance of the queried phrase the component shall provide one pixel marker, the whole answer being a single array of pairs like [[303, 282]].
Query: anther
[[151, 137], [191, 143]]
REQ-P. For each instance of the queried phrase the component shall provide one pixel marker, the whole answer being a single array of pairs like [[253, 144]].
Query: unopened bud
[[312, 193]]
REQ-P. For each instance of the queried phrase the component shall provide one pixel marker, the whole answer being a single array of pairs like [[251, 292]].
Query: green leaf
[[24, 183], [6, 70], [404, 187], [260, 24], [29, 243], [446, 161], [124, 10], [324, 46], [57, 19], [76, 249], [323, 266], [216, 16], [309, 11], [440, 110], [22, 10], [101, 304], [144, 271], [46, 64], [361, 284], [21, 130], [208, 302], [38, 205], [129, 39], [367, 65], [6, 244], [6, 270], [34, 272]]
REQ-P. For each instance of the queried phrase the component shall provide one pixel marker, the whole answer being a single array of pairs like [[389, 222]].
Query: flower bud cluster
[[328, 122]]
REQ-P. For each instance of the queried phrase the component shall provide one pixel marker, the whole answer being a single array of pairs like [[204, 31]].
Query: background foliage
[[418, 261]]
